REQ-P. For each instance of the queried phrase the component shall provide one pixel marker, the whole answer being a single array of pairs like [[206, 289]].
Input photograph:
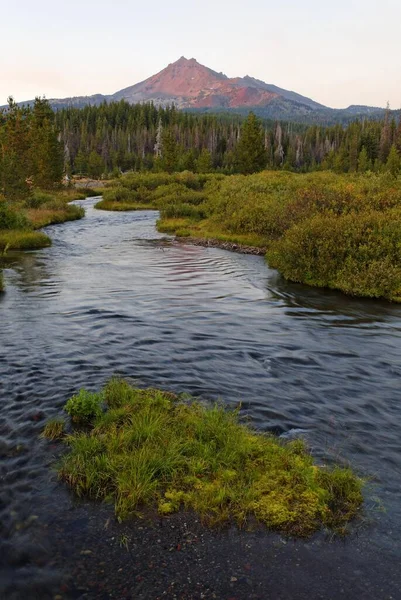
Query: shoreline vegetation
[[19, 221], [323, 229], [150, 450], [31, 170]]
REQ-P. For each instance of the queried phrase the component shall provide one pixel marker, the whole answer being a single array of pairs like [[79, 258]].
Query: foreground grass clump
[[152, 449]]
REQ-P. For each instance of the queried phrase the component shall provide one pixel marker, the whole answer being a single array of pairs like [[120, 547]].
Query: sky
[[338, 53]]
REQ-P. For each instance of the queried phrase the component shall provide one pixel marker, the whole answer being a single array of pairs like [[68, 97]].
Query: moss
[[153, 449]]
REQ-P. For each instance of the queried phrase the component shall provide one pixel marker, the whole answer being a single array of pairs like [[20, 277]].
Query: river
[[112, 295]]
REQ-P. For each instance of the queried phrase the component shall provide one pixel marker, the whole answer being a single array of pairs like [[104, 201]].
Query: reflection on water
[[114, 296]]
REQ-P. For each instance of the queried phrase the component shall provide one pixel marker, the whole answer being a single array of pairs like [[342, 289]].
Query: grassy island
[[149, 449]]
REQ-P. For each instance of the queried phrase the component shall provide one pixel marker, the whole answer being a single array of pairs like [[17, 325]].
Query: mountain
[[192, 86]]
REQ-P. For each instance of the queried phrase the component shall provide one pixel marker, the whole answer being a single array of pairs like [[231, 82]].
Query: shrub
[[359, 254], [10, 218], [37, 199], [84, 407]]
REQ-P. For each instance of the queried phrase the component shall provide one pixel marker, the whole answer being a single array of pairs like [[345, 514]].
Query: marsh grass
[[23, 240], [19, 219], [123, 206], [54, 429], [179, 194], [151, 449]]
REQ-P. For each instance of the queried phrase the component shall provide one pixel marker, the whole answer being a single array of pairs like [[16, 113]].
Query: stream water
[[112, 295]]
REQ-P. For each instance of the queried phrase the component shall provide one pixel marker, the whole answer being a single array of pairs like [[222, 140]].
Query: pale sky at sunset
[[338, 53]]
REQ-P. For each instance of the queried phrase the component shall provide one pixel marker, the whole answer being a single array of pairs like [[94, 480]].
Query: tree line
[[121, 137], [38, 145]]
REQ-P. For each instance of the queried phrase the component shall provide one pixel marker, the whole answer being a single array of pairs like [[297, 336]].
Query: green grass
[[23, 240], [53, 430], [182, 192], [123, 206], [206, 230], [18, 220], [150, 449]]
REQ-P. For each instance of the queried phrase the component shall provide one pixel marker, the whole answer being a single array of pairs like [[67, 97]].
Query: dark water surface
[[114, 296]]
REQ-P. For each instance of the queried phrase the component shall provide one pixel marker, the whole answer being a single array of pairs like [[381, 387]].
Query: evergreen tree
[[95, 165], [364, 163], [15, 168], [250, 153], [204, 164], [393, 162], [169, 159], [46, 152]]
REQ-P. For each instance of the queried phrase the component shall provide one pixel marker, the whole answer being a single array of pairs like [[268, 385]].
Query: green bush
[[10, 218], [37, 199], [84, 407], [358, 253]]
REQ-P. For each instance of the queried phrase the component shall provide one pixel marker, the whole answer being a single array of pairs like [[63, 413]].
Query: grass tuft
[[54, 429], [153, 449]]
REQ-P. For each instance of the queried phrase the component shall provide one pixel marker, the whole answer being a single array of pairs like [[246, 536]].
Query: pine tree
[[204, 164], [95, 165], [250, 152], [15, 168], [169, 159], [46, 151], [364, 163]]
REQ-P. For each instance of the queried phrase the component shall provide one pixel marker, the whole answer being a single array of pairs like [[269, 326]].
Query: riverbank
[[20, 221], [94, 557], [223, 245], [324, 229]]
